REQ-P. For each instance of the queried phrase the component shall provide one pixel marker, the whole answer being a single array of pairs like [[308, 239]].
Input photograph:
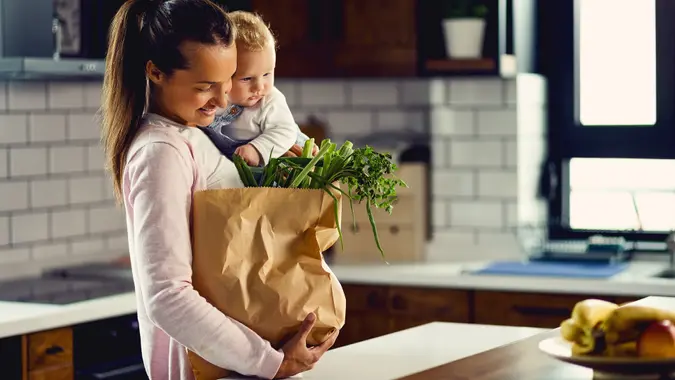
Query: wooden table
[[520, 360]]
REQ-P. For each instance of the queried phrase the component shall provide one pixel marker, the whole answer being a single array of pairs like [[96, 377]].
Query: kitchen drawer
[[430, 303], [65, 372], [50, 349], [366, 297], [404, 212], [526, 309], [400, 242]]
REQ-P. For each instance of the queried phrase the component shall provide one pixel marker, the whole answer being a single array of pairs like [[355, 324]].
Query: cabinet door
[[11, 358], [299, 29], [53, 373], [378, 38], [367, 313], [414, 306], [527, 309], [52, 348]]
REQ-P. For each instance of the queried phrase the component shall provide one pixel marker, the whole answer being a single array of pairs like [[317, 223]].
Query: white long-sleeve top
[[166, 164], [269, 123]]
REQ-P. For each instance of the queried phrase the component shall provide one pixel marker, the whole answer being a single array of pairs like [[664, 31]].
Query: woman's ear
[[153, 73]]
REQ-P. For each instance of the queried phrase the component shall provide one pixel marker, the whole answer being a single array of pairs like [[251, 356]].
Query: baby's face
[[254, 77]]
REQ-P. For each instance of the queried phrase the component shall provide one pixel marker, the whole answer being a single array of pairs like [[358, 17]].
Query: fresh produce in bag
[[258, 250]]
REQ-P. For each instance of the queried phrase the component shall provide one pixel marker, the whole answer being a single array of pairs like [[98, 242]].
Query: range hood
[[53, 40], [44, 68]]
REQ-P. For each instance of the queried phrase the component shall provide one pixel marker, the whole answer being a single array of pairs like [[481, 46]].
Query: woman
[[168, 68]]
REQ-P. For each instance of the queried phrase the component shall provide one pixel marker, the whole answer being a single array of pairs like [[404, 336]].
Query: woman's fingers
[[306, 327]]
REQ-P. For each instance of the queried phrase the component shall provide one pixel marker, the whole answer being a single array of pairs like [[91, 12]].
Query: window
[[617, 64], [610, 66], [622, 194]]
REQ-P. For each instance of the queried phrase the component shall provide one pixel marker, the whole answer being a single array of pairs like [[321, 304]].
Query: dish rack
[[535, 246]]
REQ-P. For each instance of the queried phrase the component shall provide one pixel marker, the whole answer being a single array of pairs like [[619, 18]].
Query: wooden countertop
[[521, 360]]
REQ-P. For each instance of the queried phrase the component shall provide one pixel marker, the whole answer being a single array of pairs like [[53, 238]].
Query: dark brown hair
[[142, 31]]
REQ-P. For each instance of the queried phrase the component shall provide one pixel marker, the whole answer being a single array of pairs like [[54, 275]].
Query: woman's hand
[[297, 357]]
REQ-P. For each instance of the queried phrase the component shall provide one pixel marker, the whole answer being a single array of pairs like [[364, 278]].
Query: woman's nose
[[221, 98]]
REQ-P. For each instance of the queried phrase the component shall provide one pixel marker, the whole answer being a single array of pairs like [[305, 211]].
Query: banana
[[570, 330], [582, 329], [625, 323], [592, 312]]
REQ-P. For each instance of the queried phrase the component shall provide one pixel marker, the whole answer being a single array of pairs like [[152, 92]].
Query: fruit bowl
[[656, 368]]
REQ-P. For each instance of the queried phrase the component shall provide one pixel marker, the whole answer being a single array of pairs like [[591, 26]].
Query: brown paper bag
[[257, 257]]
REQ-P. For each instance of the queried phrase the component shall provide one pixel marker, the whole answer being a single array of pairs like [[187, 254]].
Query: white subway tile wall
[[356, 107], [55, 205], [489, 143]]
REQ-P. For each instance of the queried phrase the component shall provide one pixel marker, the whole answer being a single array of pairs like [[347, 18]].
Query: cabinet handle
[[394, 230], [53, 350], [374, 300], [355, 227], [545, 311], [398, 303]]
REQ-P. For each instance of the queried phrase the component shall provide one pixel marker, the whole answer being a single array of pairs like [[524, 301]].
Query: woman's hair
[[142, 31], [252, 32]]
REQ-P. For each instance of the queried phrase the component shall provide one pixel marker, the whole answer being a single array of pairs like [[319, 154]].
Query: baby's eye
[[266, 74], [245, 79]]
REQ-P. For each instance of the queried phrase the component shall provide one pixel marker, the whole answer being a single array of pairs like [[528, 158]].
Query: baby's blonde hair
[[252, 32]]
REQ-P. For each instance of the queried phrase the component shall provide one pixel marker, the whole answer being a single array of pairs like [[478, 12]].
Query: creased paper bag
[[257, 257]]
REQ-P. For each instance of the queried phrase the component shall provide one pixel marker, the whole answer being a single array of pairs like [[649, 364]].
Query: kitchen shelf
[[461, 65]]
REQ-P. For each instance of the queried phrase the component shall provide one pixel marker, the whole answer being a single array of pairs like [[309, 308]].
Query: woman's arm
[[159, 187]]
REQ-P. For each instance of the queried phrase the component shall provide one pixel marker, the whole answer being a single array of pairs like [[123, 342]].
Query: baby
[[257, 122]]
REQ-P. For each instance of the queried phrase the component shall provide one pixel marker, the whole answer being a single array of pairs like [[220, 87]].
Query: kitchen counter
[[413, 350], [636, 280], [20, 318]]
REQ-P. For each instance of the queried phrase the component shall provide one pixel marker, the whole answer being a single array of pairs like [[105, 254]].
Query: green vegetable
[[367, 174]]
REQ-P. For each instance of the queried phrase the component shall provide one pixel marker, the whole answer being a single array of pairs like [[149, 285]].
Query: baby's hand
[[249, 153]]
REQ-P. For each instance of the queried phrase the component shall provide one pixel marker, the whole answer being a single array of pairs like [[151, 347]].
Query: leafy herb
[[367, 174]]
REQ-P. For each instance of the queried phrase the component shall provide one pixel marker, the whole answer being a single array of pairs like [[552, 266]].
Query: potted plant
[[464, 28]]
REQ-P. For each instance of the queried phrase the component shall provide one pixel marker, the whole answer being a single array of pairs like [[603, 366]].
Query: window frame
[[557, 46]]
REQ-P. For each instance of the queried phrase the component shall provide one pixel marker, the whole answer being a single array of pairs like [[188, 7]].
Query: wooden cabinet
[[342, 38], [48, 355], [526, 309], [299, 28], [376, 310], [378, 38]]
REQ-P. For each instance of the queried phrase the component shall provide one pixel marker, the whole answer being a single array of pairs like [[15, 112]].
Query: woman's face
[[191, 96]]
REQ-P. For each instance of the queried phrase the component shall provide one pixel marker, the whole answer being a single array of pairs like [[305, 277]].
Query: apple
[[657, 340]]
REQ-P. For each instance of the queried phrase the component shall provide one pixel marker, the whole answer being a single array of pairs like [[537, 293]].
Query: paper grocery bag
[[257, 257]]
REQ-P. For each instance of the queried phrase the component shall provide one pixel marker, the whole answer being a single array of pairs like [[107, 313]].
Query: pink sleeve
[[159, 193]]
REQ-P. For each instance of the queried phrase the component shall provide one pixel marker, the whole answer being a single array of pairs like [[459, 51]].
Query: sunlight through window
[[617, 62], [622, 194]]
